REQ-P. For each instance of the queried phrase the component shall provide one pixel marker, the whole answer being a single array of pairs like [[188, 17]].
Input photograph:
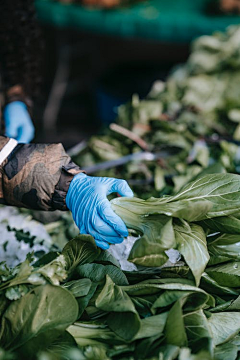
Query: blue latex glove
[[91, 210], [18, 122]]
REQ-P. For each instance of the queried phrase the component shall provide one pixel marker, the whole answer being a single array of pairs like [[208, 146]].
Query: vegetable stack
[[80, 305], [194, 118]]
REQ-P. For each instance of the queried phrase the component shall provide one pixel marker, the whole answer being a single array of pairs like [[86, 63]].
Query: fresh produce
[[100, 312], [77, 303], [193, 118]]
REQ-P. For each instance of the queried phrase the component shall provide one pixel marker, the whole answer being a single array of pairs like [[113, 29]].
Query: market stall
[[171, 289]]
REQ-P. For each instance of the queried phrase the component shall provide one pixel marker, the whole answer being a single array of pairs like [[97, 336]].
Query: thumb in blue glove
[[18, 122], [91, 210]]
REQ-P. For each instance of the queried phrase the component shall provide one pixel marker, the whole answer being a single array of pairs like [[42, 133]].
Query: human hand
[[91, 210], [18, 122]]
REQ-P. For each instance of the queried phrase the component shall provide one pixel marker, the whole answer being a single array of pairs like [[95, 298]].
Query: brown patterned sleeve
[[36, 176]]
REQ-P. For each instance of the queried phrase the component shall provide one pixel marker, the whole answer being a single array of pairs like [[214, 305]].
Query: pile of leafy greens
[[194, 118], [79, 304]]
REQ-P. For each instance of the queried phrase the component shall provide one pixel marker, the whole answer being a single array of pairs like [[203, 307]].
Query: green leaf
[[152, 326], [79, 287], [208, 197], [213, 287], [224, 224], [147, 348], [123, 318], [223, 248], [53, 342], [188, 209], [224, 326], [83, 301], [198, 332], [91, 333], [227, 274], [175, 330], [80, 250], [154, 286], [225, 245], [106, 258], [191, 243], [235, 305], [120, 350], [158, 236], [143, 305], [46, 259], [44, 308], [193, 300], [236, 341], [97, 273], [4, 302], [226, 351]]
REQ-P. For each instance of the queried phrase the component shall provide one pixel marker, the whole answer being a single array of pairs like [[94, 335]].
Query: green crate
[[161, 20]]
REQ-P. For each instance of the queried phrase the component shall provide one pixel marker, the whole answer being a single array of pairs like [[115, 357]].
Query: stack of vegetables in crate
[[77, 303]]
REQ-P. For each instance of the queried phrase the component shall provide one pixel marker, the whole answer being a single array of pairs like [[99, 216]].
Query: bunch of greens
[[80, 305], [208, 83], [194, 117]]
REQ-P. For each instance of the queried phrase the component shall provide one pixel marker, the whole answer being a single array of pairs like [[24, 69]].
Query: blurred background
[[98, 53]]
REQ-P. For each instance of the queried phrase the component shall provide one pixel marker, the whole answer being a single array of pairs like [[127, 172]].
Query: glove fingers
[[112, 219], [102, 227], [100, 237], [25, 135], [121, 187], [102, 244]]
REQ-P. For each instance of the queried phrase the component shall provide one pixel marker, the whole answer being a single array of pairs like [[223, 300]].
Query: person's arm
[[36, 176], [21, 54], [43, 177]]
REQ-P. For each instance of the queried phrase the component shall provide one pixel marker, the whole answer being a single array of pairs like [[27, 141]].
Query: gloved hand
[[91, 210], [18, 122]]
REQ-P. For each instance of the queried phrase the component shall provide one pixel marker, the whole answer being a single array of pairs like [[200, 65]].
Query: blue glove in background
[[18, 122], [91, 210]]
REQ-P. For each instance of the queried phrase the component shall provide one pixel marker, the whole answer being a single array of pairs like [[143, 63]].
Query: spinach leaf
[[224, 326], [226, 245], [79, 287], [123, 319], [198, 332], [80, 250], [226, 274], [97, 273], [175, 329], [44, 308], [226, 351], [191, 243]]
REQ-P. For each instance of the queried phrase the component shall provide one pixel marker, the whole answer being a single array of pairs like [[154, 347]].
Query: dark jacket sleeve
[[36, 176], [20, 49]]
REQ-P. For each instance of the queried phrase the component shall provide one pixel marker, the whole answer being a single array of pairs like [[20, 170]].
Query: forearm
[[36, 176]]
